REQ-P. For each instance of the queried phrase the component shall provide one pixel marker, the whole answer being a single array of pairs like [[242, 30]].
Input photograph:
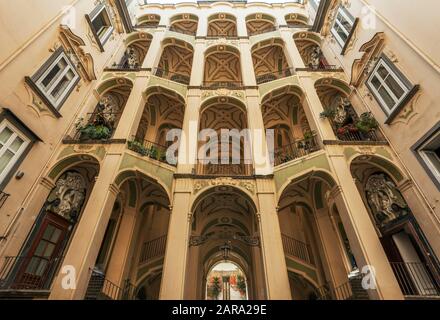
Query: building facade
[[110, 111]]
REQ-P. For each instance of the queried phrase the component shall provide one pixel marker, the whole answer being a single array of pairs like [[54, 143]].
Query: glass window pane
[[56, 236], [382, 71], [5, 134], [49, 250], [48, 232], [376, 82], [386, 97], [51, 76], [40, 248], [395, 87], [33, 265], [5, 159], [16, 144], [62, 85], [41, 268]]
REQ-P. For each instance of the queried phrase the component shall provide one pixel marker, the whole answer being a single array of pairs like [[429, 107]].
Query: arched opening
[[225, 149], [101, 124], [149, 21], [412, 259], [222, 68], [347, 125], [42, 253], [224, 230], [296, 20], [269, 60], [176, 61], [163, 112], [184, 23], [259, 23], [317, 251], [284, 114], [309, 47], [137, 49], [226, 281], [222, 25], [130, 259]]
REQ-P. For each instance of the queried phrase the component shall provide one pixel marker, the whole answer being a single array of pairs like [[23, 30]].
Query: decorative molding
[[203, 184], [37, 105], [73, 46], [408, 112], [222, 92]]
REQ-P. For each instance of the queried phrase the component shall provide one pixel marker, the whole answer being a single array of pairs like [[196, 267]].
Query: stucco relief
[[203, 184], [222, 92]]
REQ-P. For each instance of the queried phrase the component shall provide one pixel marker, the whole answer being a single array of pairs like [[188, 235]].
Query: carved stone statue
[[315, 57], [108, 109], [68, 196], [385, 199], [132, 58], [342, 107]]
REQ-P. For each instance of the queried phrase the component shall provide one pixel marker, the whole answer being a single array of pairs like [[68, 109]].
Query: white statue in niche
[[132, 58], [70, 194], [315, 57], [108, 108], [385, 199]]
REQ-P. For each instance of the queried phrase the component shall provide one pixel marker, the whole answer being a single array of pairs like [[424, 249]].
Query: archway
[[222, 25], [269, 60], [346, 123], [296, 19], [226, 281], [163, 111], [314, 240], [222, 68], [133, 249], [224, 229], [309, 47], [284, 114], [176, 61], [184, 23], [138, 45], [55, 224], [412, 259], [149, 21], [259, 23], [226, 150]]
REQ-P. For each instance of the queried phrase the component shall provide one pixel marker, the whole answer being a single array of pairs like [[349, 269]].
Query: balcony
[[321, 68], [173, 76], [275, 75], [297, 249], [153, 249], [298, 149], [151, 150], [3, 197], [225, 169], [416, 279], [97, 129], [23, 276], [124, 67], [100, 288], [231, 85]]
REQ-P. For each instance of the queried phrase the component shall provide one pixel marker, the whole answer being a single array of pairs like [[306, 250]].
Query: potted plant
[[366, 123], [137, 147], [328, 113], [95, 130]]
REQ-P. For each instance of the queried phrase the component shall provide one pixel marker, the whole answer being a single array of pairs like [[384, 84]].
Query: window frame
[[6, 116], [401, 80], [420, 148], [344, 12], [35, 81], [91, 17]]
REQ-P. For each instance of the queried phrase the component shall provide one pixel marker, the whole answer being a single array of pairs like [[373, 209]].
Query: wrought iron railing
[[151, 149], [349, 290], [322, 67], [178, 30], [98, 126], [297, 249], [416, 279], [267, 77], [205, 167], [295, 150], [27, 273], [173, 76], [265, 30], [153, 249], [122, 67], [3, 197], [353, 134], [232, 85]]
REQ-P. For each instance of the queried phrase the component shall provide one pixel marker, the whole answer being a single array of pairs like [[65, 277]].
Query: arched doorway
[[412, 259], [184, 23], [259, 23], [222, 68], [269, 60], [226, 281], [224, 233], [222, 25]]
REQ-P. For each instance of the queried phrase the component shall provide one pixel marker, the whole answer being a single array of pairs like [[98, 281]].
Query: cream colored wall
[[411, 44], [28, 37]]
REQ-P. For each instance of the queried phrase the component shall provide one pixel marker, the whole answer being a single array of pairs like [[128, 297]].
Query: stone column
[[361, 232], [337, 271], [277, 280], [119, 264], [258, 135], [189, 140], [174, 269], [198, 69], [290, 49], [155, 50], [247, 64], [86, 242]]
